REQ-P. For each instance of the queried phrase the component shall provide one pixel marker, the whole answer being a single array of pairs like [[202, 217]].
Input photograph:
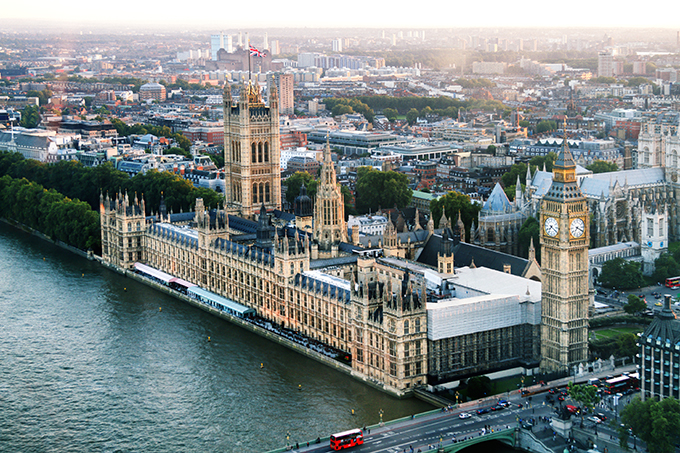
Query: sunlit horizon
[[129, 15]]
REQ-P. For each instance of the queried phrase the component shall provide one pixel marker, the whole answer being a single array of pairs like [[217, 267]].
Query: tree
[[453, 203], [585, 394], [478, 387], [510, 178], [621, 274], [545, 126], [537, 162], [634, 305], [30, 116], [390, 114], [376, 189], [294, 183], [491, 149], [655, 422], [602, 166], [412, 116], [341, 109], [530, 230], [665, 266]]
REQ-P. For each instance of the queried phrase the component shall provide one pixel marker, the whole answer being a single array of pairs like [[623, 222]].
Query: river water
[[91, 361]]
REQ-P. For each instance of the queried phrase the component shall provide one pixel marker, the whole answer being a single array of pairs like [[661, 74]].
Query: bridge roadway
[[432, 428], [438, 427]]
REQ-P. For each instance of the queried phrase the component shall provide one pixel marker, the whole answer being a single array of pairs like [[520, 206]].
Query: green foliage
[[634, 305], [524, 123], [478, 387], [621, 345], [43, 96], [452, 203], [475, 83], [491, 149], [218, 159], [530, 230], [510, 178], [75, 181], [545, 126], [621, 274], [179, 151], [603, 79], [341, 106], [602, 166], [537, 162], [666, 266], [70, 221], [585, 394], [655, 422], [390, 114], [30, 116], [637, 81], [614, 320], [347, 198], [294, 183], [379, 189], [412, 116]]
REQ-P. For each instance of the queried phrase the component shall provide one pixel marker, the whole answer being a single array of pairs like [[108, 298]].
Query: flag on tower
[[255, 53]]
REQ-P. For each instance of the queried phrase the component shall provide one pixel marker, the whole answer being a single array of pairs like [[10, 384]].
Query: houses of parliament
[[407, 309]]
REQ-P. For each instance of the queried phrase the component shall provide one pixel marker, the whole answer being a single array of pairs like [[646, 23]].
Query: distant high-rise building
[[229, 44], [285, 84], [216, 43], [605, 64], [337, 45], [240, 39], [275, 47], [265, 41], [639, 67]]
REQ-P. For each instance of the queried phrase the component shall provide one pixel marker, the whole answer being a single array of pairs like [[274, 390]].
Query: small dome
[[302, 203]]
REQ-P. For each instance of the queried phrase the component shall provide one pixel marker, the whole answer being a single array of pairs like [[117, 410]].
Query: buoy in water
[[300, 387], [159, 308], [352, 411], [124, 289], [261, 365], [208, 339], [83, 275]]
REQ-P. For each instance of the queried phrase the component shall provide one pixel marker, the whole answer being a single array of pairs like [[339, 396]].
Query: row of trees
[[75, 181], [453, 203], [342, 106], [623, 274], [61, 218], [442, 106]]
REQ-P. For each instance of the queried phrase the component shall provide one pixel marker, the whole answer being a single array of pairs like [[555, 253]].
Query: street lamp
[[288, 440], [381, 415]]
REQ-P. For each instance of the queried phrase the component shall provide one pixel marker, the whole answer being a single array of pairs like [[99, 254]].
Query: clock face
[[551, 227], [577, 228]]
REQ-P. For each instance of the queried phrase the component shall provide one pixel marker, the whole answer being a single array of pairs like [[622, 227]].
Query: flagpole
[[249, 76]]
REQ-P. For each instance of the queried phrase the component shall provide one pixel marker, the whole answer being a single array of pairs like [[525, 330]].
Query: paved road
[[652, 294]]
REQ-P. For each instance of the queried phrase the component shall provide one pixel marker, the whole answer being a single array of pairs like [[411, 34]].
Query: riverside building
[[397, 309]]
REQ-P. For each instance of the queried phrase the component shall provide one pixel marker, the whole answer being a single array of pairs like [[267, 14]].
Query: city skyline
[[576, 14]]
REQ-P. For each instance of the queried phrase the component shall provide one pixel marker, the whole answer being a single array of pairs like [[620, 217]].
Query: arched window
[[266, 193], [253, 153], [259, 152], [406, 328], [254, 193], [674, 159], [266, 151]]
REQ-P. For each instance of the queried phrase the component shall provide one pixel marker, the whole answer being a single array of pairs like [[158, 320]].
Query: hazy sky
[[345, 13]]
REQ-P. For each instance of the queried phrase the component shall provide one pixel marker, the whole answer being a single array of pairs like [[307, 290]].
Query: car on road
[[601, 416], [658, 304], [464, 415], [594, 419], [504, 403], [526, 424], [483, 410]]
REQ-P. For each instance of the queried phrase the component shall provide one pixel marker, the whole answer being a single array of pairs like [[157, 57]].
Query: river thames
[[93, 361]]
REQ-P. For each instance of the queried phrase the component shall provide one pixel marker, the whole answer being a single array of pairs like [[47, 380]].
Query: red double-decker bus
[[673, 282], [347, 439]]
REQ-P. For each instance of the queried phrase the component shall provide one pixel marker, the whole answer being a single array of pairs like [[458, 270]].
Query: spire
[[564, 158], [528, 177], [532, 250], [443, 221]]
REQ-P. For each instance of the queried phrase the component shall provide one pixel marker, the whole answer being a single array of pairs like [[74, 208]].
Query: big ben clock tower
[[564, 265]]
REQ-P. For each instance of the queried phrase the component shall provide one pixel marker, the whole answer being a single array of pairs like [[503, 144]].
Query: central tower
[[252, 153], [329, 210], [564, 265]]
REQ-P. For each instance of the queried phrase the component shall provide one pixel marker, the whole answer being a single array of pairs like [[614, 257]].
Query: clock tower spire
[[564, 265]]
